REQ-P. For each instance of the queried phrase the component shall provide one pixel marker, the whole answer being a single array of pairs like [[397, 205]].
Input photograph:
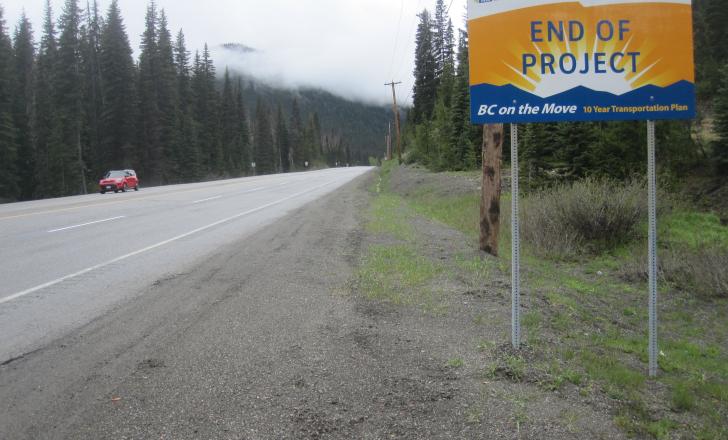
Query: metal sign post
[[652, 258], [540, 71], [515, 244]]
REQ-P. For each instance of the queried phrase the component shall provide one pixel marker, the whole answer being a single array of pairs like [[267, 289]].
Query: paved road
[[67, 261]]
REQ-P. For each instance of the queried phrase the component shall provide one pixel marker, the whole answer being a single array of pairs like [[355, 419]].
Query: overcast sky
[[345, 46]]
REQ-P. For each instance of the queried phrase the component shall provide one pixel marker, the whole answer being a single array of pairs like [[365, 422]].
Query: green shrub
[[699, 270], [589, 216]]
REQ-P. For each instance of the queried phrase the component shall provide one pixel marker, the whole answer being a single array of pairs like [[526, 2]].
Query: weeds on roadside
[[592, 215]]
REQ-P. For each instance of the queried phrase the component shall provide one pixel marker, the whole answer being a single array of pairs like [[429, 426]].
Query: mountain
[[361, 125]]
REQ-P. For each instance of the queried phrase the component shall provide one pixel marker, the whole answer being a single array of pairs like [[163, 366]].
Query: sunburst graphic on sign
[[595, 47], [606, 67]]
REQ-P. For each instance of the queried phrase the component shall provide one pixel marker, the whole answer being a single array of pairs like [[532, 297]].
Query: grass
[[459, 212], [397, 274], [597, 317], [694, 230], [455, 363], [386, 218]]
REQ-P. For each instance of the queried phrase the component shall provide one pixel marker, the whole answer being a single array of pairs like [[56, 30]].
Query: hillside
[[362, 125]]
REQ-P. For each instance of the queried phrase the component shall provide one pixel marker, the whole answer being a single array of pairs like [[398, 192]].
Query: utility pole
[[395, 110], [389, 142]]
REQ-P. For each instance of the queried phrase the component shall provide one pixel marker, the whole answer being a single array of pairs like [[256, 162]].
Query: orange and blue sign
[[583, 60]]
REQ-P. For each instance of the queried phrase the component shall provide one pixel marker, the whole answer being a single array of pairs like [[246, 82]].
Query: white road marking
[[86, 224], [254, 190], [157, 245], [164, 190], [207, 200]]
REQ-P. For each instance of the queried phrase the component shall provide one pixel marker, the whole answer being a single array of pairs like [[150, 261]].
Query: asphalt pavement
[[67, 261]]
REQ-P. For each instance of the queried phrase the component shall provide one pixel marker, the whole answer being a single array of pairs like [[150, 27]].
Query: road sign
[[587, 60]]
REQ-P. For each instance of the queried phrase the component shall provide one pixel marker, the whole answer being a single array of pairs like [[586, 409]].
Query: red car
[[119, 181]]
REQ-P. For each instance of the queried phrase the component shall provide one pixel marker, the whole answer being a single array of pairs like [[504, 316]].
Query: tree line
[[77, 104], [440, 136]]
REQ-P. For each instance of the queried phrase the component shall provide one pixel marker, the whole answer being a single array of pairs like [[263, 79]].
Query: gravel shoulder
[[271, 338]]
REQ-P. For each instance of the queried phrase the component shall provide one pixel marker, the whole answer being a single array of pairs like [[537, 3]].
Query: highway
[[67, 261]]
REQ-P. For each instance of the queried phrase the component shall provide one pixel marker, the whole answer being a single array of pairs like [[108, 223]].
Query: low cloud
[[344, 46]]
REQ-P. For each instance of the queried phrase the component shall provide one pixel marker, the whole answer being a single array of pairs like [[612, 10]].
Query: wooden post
[[395, 110], [491, 193], [389, 142]]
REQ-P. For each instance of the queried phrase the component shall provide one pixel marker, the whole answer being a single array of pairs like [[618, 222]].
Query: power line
[[412, 42], [448, 8], [396, 38]]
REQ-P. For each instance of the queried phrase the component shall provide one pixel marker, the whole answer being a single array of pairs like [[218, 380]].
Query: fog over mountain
[[350, 48]]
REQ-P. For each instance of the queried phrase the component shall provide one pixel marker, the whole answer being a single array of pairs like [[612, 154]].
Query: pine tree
[[466, 136], [576, 142], [720, 147], [229, 127], [425, 87], [296, 136], [244, 153], [449, 43], [207, 102], [8, 142], [189, 154], [69, 95], [717, 18], [282, 141], [317, 148], [264, 145], [24, 50], [150, 116], [49, 150], [168, 102], [118, 117], [439, 28], [90, 49]]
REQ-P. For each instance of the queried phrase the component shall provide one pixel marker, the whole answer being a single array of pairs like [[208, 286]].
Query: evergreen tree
[[449, 43], [90, 50], [465, 136], [49, 151], [69, 96], [296, 136], [716, 15], [207, 102], [425, 87], [150, 116], [439, 29], [189, 154], [282, 141], [317, 148], [118, 117], [264, 145], [307, 144], [168, 103], [229, 127], [8, 142], [24, 50], [243, 132], [573, 154], [720, 147]]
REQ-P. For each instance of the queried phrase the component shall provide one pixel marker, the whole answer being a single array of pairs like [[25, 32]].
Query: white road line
[[254, 190], [86, 224], [207, 200], [155, 246]]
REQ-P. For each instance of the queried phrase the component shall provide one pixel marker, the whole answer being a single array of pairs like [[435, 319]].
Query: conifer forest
[[439, 135], [75, 103]]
